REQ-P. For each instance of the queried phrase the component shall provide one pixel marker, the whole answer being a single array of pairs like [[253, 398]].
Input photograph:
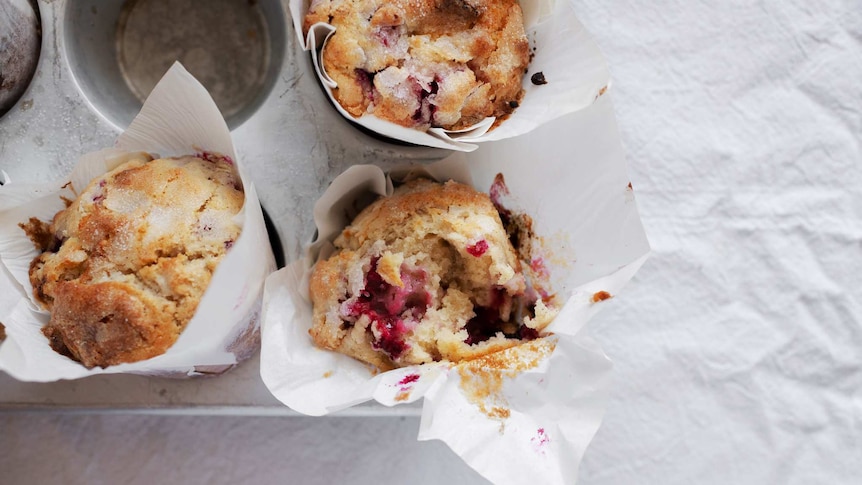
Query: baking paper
[[570, 177], [564, 52], [179, 118]]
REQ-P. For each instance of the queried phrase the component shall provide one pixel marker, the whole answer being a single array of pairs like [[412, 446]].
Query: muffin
[[126, 263], [426, 275], [425, 63]]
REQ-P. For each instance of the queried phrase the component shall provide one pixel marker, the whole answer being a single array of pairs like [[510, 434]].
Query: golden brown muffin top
[[128, 260], [424, 63]]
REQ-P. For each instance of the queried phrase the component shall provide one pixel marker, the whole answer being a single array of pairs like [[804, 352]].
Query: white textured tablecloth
[[738, 346]]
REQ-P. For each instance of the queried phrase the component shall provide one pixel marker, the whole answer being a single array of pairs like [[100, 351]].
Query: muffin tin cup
[[570, 178], [116, 56], [562, 50], [178, 118], [21, 42]]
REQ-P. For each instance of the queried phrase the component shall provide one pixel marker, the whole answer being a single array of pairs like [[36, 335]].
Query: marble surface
[[736, 347]]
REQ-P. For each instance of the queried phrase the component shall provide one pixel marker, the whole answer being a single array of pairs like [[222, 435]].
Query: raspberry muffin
[[426, 275], [425, 63], [126, 263]]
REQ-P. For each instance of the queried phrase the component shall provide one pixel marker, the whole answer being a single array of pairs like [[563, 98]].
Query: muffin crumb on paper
[[601, 296], [482, 379]]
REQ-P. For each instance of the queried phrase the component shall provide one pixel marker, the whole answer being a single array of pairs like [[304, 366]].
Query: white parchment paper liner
[[565, 52], [178, 118], [570, 177]]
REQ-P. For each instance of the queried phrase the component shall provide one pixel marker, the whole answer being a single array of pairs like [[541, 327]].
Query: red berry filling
[[409, 379], [214, 157], [527, 333], [100, 195], [483, 326], [387, 306], [478, 249], [487, 322], [365, 80], [537, 265], [387, 35], [425, 113]]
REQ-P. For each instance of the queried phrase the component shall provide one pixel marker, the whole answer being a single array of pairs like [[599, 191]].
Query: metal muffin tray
[[98, 59]]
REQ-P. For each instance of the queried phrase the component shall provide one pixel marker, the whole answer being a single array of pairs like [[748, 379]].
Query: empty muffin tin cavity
[[20, 42], [118, 51]]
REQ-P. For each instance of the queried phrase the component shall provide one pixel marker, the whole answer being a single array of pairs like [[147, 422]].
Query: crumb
[[540, 441], [409, 380], [538, 78], [601, 296], [482, 379], [39, 232]]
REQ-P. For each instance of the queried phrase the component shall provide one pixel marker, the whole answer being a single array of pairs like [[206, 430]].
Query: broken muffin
[[428, 274]]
